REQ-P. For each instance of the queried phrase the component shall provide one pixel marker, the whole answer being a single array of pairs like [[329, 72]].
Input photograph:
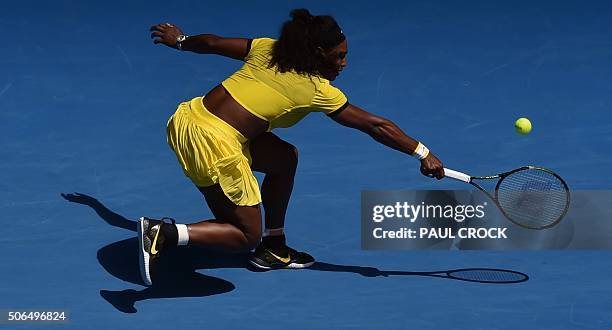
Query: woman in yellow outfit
[[219, 139]]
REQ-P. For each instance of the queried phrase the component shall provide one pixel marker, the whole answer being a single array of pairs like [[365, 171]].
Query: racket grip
[[456, 175]]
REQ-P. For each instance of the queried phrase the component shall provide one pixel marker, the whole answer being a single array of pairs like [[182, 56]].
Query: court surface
[[84, 99]]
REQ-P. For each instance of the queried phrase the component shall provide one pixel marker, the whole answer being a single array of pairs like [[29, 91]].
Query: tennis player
[[219, 139]]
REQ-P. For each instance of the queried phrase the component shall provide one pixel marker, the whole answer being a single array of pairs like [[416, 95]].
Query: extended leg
[[235, 228]]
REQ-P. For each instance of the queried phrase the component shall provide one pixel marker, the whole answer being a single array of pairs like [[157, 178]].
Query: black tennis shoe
[[267, 258], [151, 241]]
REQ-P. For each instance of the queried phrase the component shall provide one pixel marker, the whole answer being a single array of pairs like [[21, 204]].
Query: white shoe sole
[[144, 255], [289, 266]]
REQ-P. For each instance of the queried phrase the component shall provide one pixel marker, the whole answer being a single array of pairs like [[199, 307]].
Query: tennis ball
[[522, 126]]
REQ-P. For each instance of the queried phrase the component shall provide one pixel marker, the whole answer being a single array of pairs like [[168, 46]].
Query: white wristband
[[421, 151]]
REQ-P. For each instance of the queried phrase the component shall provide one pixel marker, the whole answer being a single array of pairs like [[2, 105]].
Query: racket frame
[[470, 179]]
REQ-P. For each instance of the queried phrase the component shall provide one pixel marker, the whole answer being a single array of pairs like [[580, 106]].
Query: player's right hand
[[431, 166], [165, 33]]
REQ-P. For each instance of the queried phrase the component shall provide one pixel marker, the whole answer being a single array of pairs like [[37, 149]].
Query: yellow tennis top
[[282, 99]]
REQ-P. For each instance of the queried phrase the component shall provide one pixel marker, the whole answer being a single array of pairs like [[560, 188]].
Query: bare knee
[[272, 155], [284, 162], [251, 228]]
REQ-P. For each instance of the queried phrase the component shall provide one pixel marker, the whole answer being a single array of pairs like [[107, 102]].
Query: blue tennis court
[[84, 100]]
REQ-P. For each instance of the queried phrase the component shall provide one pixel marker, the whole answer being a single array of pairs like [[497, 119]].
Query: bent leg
[[278, 159], [236, 228]]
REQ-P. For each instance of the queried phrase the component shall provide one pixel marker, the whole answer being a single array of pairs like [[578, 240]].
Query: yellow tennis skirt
[[211, 151]]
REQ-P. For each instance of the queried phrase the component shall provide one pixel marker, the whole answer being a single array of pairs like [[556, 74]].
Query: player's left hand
[[431, 166], [165, 33], [81, 199]]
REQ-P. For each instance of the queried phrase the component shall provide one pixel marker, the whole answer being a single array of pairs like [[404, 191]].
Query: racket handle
[[457, 175]]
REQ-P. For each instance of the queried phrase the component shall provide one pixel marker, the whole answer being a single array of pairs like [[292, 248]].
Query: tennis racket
[[530, 196]]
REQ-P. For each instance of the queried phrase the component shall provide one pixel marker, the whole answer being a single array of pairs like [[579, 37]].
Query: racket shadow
[[476, 275]]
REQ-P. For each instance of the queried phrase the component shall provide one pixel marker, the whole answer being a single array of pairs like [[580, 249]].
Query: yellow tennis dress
[[211, 151]]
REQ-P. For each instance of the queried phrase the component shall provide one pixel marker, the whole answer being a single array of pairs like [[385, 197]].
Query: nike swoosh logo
[[281, 259], [154, 251]]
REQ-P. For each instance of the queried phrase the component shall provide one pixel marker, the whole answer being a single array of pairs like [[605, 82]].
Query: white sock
[[183, 234]]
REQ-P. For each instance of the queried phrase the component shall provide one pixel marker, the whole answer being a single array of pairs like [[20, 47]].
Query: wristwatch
[[179, 41]]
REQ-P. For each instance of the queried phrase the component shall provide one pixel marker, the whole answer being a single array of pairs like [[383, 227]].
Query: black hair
[[297, 48]]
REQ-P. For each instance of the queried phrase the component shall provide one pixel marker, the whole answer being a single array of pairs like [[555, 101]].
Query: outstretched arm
[[387, 133], [167, 34]]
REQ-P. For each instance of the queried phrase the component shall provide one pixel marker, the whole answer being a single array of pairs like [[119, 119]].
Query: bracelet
[[421, 151], [179, 41]]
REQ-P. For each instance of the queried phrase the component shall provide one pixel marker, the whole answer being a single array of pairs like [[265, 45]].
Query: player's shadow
[[177, 274]]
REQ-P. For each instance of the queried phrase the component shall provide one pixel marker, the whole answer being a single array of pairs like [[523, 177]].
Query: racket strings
[[534, 198]]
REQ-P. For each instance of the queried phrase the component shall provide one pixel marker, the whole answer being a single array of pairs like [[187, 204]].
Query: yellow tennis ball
[[522, 126]]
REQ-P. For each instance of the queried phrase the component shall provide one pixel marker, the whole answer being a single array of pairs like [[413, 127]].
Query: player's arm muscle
[[381, 129], [236, 48]]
